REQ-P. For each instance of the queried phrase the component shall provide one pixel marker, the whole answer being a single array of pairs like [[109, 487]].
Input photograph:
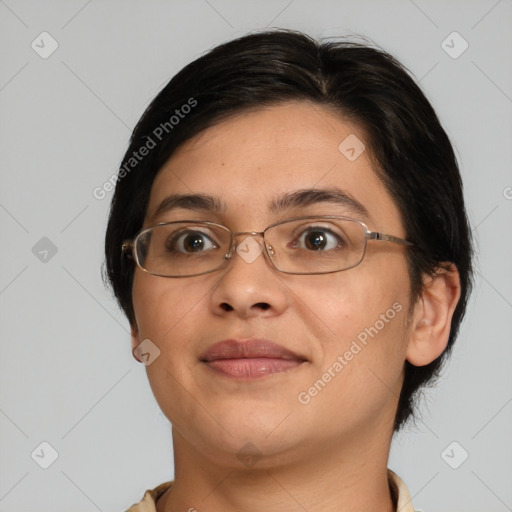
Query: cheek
[[359, 367], [166, 313], [358, 318], [162, 305], [340, 305], [372, 329]]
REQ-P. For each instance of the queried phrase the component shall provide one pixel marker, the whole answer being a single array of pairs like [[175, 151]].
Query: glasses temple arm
[[374, 235]]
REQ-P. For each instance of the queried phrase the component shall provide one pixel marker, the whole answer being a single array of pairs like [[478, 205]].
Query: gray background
[[67, 374]]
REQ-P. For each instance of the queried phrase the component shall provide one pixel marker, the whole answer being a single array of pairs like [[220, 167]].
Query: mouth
[[250, 359]]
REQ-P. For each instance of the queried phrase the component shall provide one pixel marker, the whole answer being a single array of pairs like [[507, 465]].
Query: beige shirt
[[397, 486]]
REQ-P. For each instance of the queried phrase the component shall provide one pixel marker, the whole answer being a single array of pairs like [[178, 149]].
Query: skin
[[332, 453]]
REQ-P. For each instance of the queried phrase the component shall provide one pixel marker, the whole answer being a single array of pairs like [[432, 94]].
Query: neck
[[352, 477]]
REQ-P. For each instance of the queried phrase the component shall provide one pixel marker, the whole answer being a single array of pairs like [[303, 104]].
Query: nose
[[249, 286]]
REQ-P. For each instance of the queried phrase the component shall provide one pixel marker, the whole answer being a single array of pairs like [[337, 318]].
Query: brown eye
[[189, 242], [315, 240], [318, 239]]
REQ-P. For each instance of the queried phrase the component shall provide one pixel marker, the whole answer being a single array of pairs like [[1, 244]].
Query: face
[[348, 329]]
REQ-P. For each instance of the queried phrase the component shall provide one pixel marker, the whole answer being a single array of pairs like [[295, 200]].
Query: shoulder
[[148, 502], [400, 493]]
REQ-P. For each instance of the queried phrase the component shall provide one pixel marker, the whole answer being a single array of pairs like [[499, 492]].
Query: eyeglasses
[[307, 245]]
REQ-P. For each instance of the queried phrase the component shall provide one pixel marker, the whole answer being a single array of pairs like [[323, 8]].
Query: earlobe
[[432, 316], [135, 337]]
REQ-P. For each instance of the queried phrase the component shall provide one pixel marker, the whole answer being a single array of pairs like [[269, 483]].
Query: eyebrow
[[311, 196], [197, 202], [297, 199]]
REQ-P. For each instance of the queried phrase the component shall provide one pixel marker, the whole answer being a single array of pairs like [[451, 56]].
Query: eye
[[317, 238], [189, 242]]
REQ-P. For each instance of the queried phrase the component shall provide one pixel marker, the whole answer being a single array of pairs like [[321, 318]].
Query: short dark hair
[[411, 152]]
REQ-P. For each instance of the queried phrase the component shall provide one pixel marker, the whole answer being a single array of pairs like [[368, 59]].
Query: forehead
[[252, 159]]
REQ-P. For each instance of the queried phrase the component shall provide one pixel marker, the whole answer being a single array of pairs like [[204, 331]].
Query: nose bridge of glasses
[[235, 244], [252, 233], [249, 233]]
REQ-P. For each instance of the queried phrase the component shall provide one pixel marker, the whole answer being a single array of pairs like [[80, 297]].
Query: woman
[[289, 242]]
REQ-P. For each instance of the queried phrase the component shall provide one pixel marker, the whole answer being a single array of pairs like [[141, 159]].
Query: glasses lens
[[316, 245], [182, 249]]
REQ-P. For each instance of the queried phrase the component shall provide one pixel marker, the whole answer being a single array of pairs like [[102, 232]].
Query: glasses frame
[[128, 246]]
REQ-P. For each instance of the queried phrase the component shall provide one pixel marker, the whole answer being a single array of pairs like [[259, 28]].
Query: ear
[[432, 316], [135, 338]]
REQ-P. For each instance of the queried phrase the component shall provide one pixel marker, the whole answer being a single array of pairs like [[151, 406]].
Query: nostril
[[226, 307], [262, 305]]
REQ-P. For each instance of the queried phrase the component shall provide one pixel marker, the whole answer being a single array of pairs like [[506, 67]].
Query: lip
[[250, 358]]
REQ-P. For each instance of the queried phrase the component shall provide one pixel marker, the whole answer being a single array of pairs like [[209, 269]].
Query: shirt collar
[[397, 486]]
